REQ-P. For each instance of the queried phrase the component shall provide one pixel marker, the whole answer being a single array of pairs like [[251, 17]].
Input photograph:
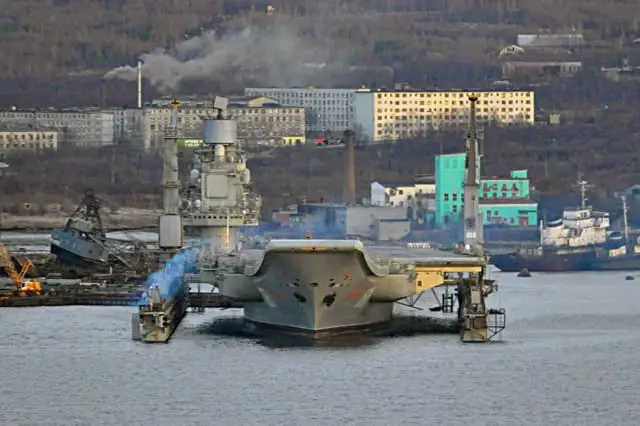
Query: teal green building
[[503, 200]]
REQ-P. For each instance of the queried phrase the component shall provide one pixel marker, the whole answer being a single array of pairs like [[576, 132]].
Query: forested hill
[[54, 51]]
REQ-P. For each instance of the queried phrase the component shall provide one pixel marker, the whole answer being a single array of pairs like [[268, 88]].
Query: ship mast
[[583, 184], [625, 209], [473, 237]]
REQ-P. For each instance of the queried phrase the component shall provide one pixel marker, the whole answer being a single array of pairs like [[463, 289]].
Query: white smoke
[[274, 55]]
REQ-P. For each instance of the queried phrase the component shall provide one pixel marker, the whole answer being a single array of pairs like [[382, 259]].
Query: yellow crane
[[23, 287]]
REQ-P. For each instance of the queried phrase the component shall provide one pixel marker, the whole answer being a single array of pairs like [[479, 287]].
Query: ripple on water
[[569, 358]]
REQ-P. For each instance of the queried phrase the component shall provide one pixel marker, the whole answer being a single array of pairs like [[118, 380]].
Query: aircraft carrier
[[319, 287]]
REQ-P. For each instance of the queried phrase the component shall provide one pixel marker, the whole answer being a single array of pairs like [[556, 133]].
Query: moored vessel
[[579, 241]]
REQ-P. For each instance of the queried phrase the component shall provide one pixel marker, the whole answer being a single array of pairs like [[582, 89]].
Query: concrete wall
[[392, 230]]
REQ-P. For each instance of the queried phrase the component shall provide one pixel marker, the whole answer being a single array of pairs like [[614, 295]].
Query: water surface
[[570, 356]]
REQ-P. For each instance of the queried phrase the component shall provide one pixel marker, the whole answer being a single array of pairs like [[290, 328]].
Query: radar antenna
[[220, 105]]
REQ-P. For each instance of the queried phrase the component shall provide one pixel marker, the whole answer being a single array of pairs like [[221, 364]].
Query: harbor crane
[[22, 287]]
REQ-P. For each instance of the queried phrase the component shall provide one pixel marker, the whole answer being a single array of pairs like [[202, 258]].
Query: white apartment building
[[326, 109], [127, 124], [388, 115], [400, 194], [27, 139], [260, 120], [75, 127]]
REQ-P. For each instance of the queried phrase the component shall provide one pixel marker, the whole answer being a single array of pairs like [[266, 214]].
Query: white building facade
[[327, 110], [400, 194], [74, 127], [12, 140], [389, 115]]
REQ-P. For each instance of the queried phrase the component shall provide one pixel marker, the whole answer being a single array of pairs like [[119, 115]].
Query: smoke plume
[[277, 55]]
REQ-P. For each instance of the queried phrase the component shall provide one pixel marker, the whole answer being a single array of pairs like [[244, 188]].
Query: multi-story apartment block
[[384, 115], [327, 110], [127, 125], [21, 138], [260, 120], [90, 128]]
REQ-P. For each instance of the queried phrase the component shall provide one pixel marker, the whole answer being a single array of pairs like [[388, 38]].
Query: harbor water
[[569, 357]]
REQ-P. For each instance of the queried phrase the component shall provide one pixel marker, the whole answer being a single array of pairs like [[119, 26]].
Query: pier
[[196, 301]]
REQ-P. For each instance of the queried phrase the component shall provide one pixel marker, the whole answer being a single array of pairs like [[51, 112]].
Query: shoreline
[[124, 219]]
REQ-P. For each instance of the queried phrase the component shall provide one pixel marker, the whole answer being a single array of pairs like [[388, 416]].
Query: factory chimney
[[349, 197], [139, 84]]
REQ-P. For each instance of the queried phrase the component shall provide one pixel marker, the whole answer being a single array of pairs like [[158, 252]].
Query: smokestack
[[349, 197], [139, 84]]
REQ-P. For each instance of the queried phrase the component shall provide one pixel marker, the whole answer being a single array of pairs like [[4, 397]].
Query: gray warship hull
[[317, 287], [74, 251]]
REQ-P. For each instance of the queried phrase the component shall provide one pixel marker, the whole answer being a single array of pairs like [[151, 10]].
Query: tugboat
[[580, 241], [82, 242]]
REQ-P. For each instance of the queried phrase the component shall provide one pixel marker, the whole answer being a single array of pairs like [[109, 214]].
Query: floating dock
[[159, 318]]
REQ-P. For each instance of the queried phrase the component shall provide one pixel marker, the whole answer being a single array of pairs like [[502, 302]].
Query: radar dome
[[197, 204], [194, 174]]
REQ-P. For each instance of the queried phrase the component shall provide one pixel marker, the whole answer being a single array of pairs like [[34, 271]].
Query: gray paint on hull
[[297, 288], [286, 283]]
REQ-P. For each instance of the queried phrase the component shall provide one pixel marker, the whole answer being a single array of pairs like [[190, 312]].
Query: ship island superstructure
[[218, 199]]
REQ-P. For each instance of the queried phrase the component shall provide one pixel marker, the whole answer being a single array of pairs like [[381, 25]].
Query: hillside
[[55, 51], [553, 155]]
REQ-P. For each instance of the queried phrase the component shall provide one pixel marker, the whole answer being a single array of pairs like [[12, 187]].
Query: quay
[[196, 301]]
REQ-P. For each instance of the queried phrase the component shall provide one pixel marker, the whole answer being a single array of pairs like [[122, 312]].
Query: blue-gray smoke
[[170, 279]]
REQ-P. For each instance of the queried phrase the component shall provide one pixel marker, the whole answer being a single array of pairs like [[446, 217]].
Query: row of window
[[26, 136], [506, 195], [510, 114], [453, 95], [463, 103], [27, 146]]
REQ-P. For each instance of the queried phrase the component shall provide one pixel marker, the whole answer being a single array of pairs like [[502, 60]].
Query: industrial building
[[387, 115], [78, 127], [400, 194], [550, 40], [327, 110], [371, 222], [516, 69], [503, 200], [260, 120], [18, 138]]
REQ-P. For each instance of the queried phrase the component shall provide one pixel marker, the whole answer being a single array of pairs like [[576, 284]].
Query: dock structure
[[461, 276]]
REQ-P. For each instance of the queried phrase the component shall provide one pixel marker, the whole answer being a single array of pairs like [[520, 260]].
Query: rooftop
[[439, 90], [424, 180]]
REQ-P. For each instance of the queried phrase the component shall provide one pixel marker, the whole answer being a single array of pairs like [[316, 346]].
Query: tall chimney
[[139, 84], [349, 196]]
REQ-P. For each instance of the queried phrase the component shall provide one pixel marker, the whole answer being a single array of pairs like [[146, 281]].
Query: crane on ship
[[22, 287]]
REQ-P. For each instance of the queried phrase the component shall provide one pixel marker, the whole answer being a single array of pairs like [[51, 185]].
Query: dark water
[[570, 356]]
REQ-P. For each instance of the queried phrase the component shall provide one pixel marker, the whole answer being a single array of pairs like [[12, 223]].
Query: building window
[[455, 196], [454, 209], [446, 197]]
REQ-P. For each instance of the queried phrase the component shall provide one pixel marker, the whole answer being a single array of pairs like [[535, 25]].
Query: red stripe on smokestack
[[349, 196]]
